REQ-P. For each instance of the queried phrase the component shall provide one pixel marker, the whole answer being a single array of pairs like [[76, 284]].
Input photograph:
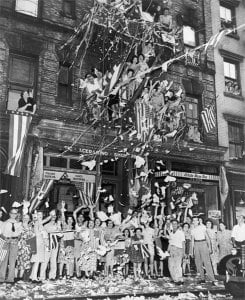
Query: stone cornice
[[231, 55]]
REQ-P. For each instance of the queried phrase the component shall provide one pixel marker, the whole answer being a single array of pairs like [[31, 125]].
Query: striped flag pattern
[[45, 188], [144, 117], [208, 118], [18, 130], [86, 191], [3, 250]]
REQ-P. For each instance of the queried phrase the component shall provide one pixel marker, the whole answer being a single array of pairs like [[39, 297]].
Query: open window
[[22, 73], [189, 36], [231, 73], [227, 16], [27, 7]]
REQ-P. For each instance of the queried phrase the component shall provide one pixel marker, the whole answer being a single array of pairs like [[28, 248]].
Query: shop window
[[239, 197], [27, 7], [22, 71], [76, 164], [69, 8], [109, 168], [59, 162], [189, 36], [231, 73], [192, 111], [236, 140], [227, 17], [64, 86]]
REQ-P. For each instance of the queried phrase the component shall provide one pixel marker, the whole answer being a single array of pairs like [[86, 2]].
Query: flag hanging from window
[[223, 186], [18, 130], [208, 118]]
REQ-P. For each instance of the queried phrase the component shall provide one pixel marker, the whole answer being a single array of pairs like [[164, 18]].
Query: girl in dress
[[42, 246], [136, 256], [127, 241], [214, 245], [80, 224], [24, 250], [110, 234], [88, 256], [66, 251], [224, 241], [186, 259]]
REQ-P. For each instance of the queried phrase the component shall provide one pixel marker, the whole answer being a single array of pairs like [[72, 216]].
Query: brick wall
[[50, 36]]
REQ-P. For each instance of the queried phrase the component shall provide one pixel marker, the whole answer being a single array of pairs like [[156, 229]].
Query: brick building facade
[[31, 41], [230, 67]]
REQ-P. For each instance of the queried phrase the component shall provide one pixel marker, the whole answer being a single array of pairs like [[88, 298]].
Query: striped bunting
[[3, 250], [18, 130], [208, 118]]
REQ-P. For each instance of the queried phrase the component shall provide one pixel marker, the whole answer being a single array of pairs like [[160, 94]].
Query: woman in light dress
[[224, 241]]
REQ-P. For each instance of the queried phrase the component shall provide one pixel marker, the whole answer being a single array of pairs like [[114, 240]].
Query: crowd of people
[[98, 244]]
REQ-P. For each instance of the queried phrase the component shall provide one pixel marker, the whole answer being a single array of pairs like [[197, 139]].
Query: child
[[136, 256], [186, 259]]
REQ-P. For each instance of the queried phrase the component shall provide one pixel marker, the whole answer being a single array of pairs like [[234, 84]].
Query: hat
[[16, 205]]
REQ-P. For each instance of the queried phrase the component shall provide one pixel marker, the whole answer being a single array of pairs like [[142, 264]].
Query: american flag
[[86, 191], [208, 118], [18, 129], [42, 193], [3, 250]]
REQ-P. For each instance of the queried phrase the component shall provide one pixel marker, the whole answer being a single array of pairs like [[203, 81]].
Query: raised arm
[[76, 212]]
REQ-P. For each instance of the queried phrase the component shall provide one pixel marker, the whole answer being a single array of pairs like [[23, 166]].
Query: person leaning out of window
[[27, 103]]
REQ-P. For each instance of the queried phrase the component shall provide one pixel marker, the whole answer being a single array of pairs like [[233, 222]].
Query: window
[[236, 139], [189, 36], [21, 78], [231, 73], [64, 86], [27, 7], [227, 17], [58, 162], [109, 168], [69, 9], [239, 197], [192, 111]]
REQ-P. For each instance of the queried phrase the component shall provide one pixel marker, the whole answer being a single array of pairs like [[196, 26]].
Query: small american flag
[[208, 118], [3, 250]]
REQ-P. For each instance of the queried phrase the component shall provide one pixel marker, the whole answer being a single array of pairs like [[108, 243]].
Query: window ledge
[[230, 95], [64, 15]]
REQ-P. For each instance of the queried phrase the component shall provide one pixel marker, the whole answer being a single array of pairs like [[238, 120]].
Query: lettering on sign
[[105, 153], [189, 175], [76, 177], [214, 214]]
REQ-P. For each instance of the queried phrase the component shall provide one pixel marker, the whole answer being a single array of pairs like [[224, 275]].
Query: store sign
[[75, 177], [105, 153], [214, 214], [188, 175]]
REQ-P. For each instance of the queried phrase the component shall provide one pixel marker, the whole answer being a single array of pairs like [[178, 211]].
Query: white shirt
[[177, 238], [238, 232], [148, 234], [199, 232], [6, 229]]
